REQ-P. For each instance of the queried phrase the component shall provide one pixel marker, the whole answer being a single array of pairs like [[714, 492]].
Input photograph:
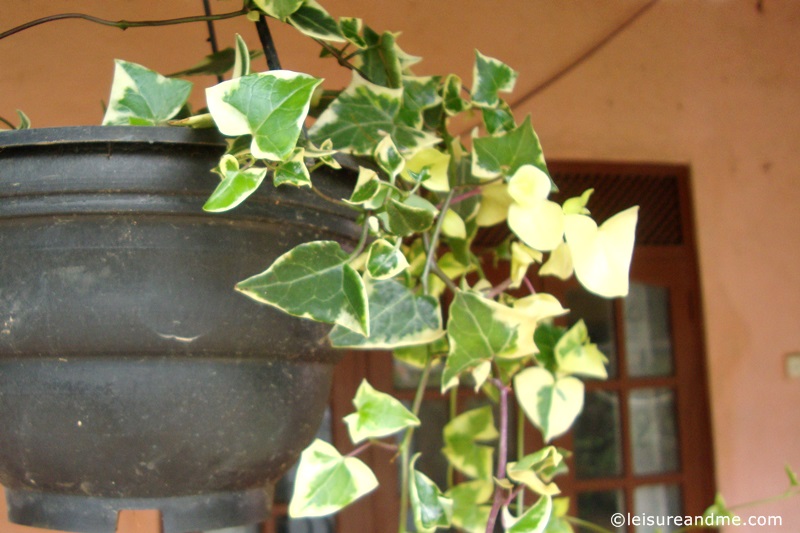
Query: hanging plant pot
[[132, 375]]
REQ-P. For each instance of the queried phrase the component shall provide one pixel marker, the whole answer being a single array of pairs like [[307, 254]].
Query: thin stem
[[7, 123], [362, 242], [431, 251], [360, 449], [520, 455], [270, 52], [121, 24], [212, 35], [502, 456], [586, 524], [405, 447], [497, 290]]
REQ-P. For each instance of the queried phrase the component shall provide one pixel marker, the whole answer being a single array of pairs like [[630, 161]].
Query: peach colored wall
[[714, 84]]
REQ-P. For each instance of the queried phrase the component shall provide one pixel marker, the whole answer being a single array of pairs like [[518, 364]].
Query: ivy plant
[[415, 283]]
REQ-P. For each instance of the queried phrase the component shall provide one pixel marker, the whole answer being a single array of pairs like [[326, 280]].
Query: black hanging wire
[[267, 43], [212, 35]]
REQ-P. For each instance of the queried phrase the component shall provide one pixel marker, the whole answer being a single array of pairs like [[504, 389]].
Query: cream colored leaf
[[495, 201], [540, 225], [602, 256], [559, 263]]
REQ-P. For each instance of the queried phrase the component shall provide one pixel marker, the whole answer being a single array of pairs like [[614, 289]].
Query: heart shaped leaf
[[377, 415], [551, 403], [142, 97]]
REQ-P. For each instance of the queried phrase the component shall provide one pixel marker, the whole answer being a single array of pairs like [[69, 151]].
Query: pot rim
[[115, 134]]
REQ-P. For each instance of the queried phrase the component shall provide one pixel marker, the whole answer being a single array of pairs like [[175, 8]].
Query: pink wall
[[711, 84]]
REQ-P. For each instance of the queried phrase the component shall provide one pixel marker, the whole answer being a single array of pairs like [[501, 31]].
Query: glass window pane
[[648, 342], [598, 441], [284, 524], [654, 433], [598, 508], [598, 314], [658, 502]]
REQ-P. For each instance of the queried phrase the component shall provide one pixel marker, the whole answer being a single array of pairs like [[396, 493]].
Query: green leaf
[[312, 20], [195, 121], [558, 523], [533, 470], [577, 205], [546, 337], [24, 121], [270, 106], [215, 64], [461, 438], [389, 158], [793, 482], [480, 329], [241, 62], [367, 187], [418, 356], [405, 218], [469, 513], [380, 61], [385, 260], [327, 482], [551, 404], [236, 185], [451, 96], [143, 97], [398, 317], [279, 9], [490, 77], [377, 415], [351, 30], [498, 119], [719, 509], [575, 354], [430, 507], [293, 171], [534, 520], [313, 281], [362, 115], [505, 154]]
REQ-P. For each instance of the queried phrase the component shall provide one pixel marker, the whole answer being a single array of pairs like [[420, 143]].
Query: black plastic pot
[[132, 375]]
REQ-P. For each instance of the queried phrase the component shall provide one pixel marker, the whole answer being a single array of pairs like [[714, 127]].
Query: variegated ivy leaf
[[559, 263], [418, 356], [362, 115], [435, 162], [453, 225], [270, 106], [293, 171], [142, 97], [385, 260], [236, 185], [451, 96], [431, 509], [241, 62], [398, 317], [323, 152], [379, 61], [351, 29], [279, 9], [531, 216], [490, 77], [410, 216], [550, 403], [534, 520], [558, 522], [505, 154], [313, 280], [577, 205], [377, 415], [495, 202], [462, 438], [546, 337], [470, 505], [521, 259], [602, 256], [216, 64], [575, 354], [388, 157], [327, 482], [367, 186], [533, 470], [498, 119], [419, 94], [480, 329], [311, 19]]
